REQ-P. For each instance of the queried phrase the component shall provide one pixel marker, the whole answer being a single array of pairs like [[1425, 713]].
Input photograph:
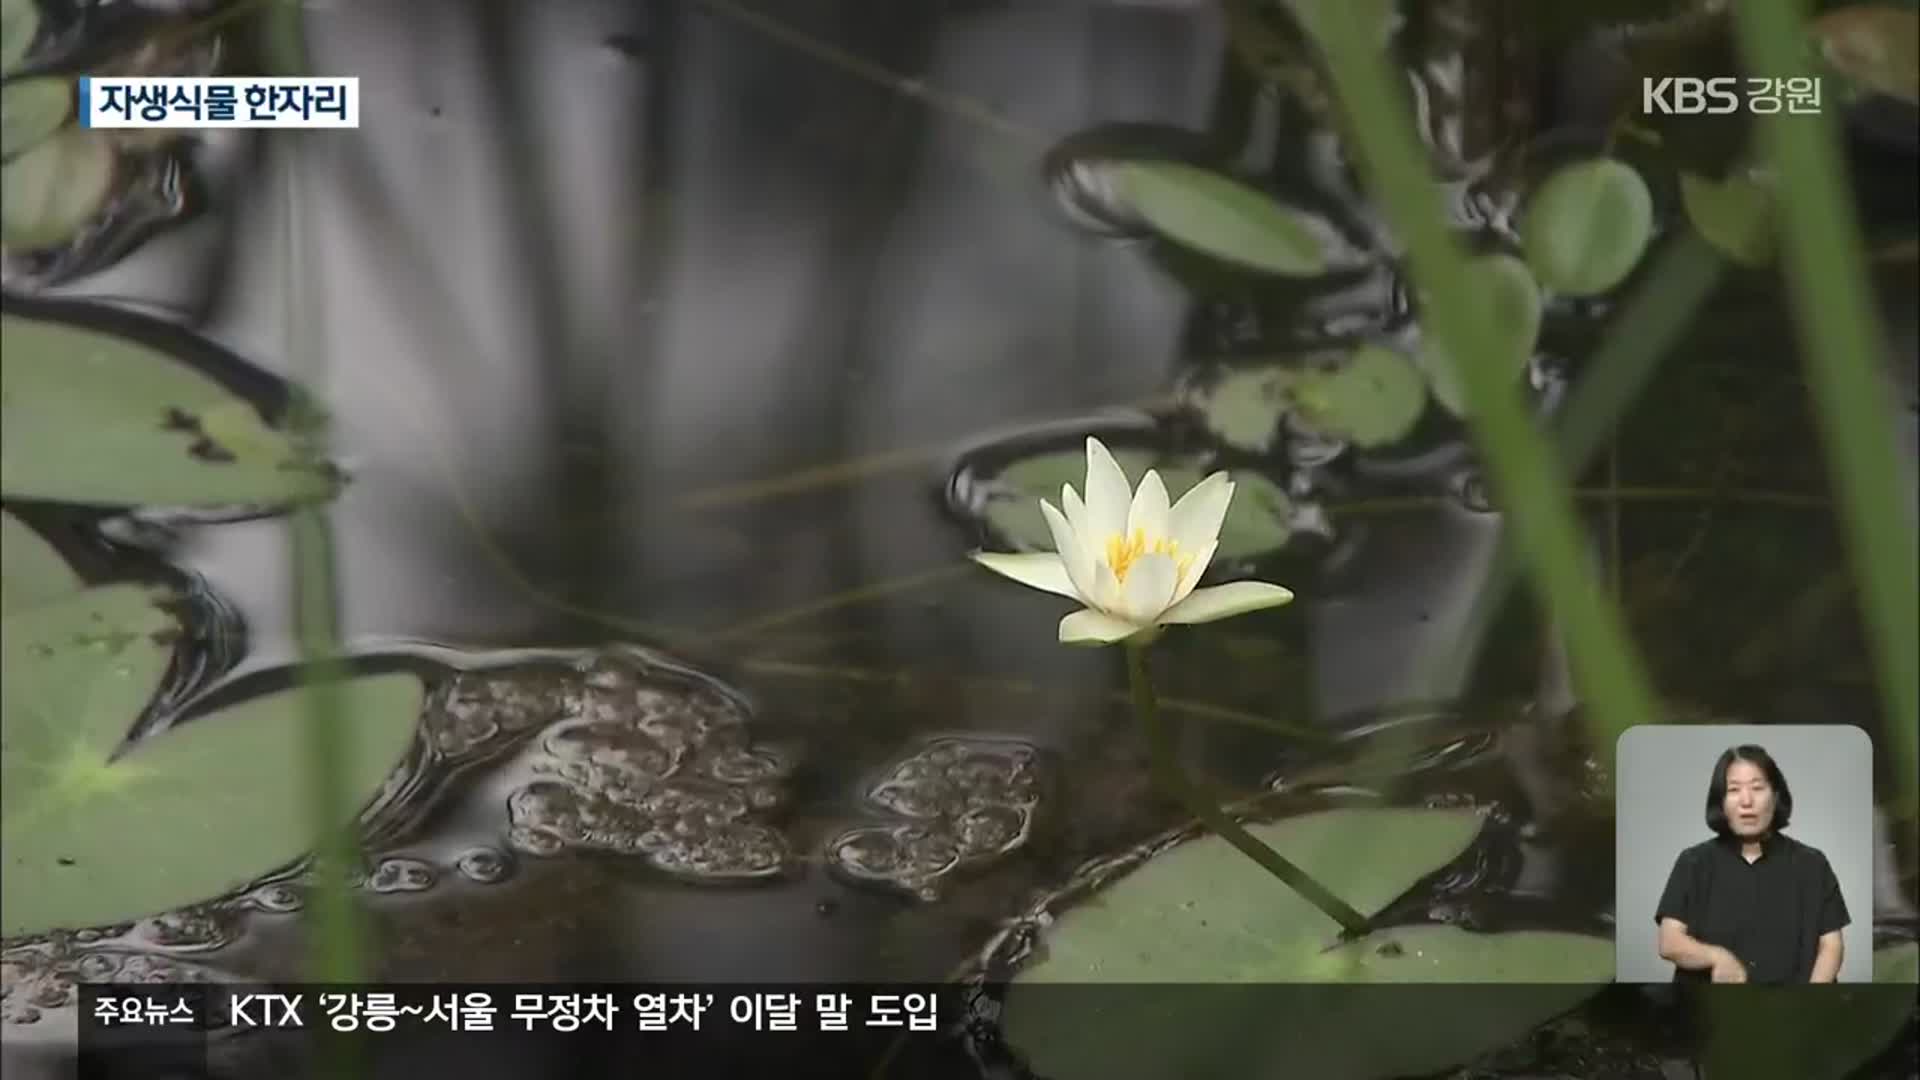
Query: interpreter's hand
[[1727, 968]]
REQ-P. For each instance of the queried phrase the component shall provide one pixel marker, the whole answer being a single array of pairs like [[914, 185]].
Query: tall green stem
[[336, 933], [1841, 342], [1166, 773], [1528, 475]]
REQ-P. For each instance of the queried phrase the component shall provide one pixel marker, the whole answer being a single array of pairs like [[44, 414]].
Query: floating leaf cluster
[[95, 829]]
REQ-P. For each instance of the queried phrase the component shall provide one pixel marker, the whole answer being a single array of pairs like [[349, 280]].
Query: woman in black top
[[1751, 905]]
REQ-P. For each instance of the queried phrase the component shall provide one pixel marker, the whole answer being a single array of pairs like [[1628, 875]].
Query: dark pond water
[[663, 343]]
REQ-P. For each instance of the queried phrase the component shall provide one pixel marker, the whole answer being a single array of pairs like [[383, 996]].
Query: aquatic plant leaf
[[79, 672], [1876, 47], [19, 24], [1732, 214], [1811, 1032], [31, 110], [1508, 285], [31, 571], [184, 816], [1228, 220], [1586, 226], [50, 193], [1373, 398], [92, 417], [1259, 520], [1244, 407], [1177, 948]]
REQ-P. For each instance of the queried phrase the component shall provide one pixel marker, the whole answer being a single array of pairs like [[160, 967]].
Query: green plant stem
[[336, 930], [1520, 461], [1166, 772], [1841, 345]]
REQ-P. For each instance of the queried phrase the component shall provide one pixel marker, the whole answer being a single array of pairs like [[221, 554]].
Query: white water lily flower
[[1131, 558]]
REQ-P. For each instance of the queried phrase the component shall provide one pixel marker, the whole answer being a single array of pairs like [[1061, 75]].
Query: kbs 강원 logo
[[1687, 95]]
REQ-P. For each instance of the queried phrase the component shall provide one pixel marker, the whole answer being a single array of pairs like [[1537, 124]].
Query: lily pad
[[1732, 215], [1508, 285], [31, 110], [1874, 46], [1198, 964], [31, 571], [50, 193], [79, 672], [187, 815], [1374, 398], [92, 417], [1229, 220], [1810, 1032], [1258, 521], [1243, 408], [1587, 225], [19, 25]]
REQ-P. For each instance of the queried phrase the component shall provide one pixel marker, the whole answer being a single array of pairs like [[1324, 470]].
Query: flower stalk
[[1169, 777]]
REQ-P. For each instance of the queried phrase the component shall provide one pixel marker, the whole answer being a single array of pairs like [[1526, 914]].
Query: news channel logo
[[277, 102], [1684, 95]]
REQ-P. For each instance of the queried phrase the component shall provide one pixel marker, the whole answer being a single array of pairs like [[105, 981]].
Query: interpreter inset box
[[1744, 853]]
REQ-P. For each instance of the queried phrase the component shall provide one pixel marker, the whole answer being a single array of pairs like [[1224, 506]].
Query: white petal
[[1149, 587], [1072, 553], [1107, 594], [1225, 601], [1075, 510], [1090, 627], [1076, 513], [1201, 560], [1041, 570], [1108, 494], [1148, 514], [1195, 520]]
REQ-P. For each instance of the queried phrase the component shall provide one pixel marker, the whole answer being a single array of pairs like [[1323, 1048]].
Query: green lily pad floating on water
[[1876, 47], [53, 191], [1731, 214], [1507, 284], [31, 571], [91, 417], [1198, 964], [79, 671], [31, 110], [1224, 218], [1258, 522], [1810, 1032], [1587, 225], [19, 25], [1373, 398], [94, 833], [1244, 407]]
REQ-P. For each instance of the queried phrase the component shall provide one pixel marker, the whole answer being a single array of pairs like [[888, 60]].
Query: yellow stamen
[[1123, 551]]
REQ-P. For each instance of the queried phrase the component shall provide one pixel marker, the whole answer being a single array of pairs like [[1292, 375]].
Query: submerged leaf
[[1875, 46], [92, 417], [50, 193], [1174, 946], [31, 571], [31, 110], [1504, 282], [1228, 220], [1373, 398], [1258, 521], [1587, 225], [184, 816], [1732, 214]]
